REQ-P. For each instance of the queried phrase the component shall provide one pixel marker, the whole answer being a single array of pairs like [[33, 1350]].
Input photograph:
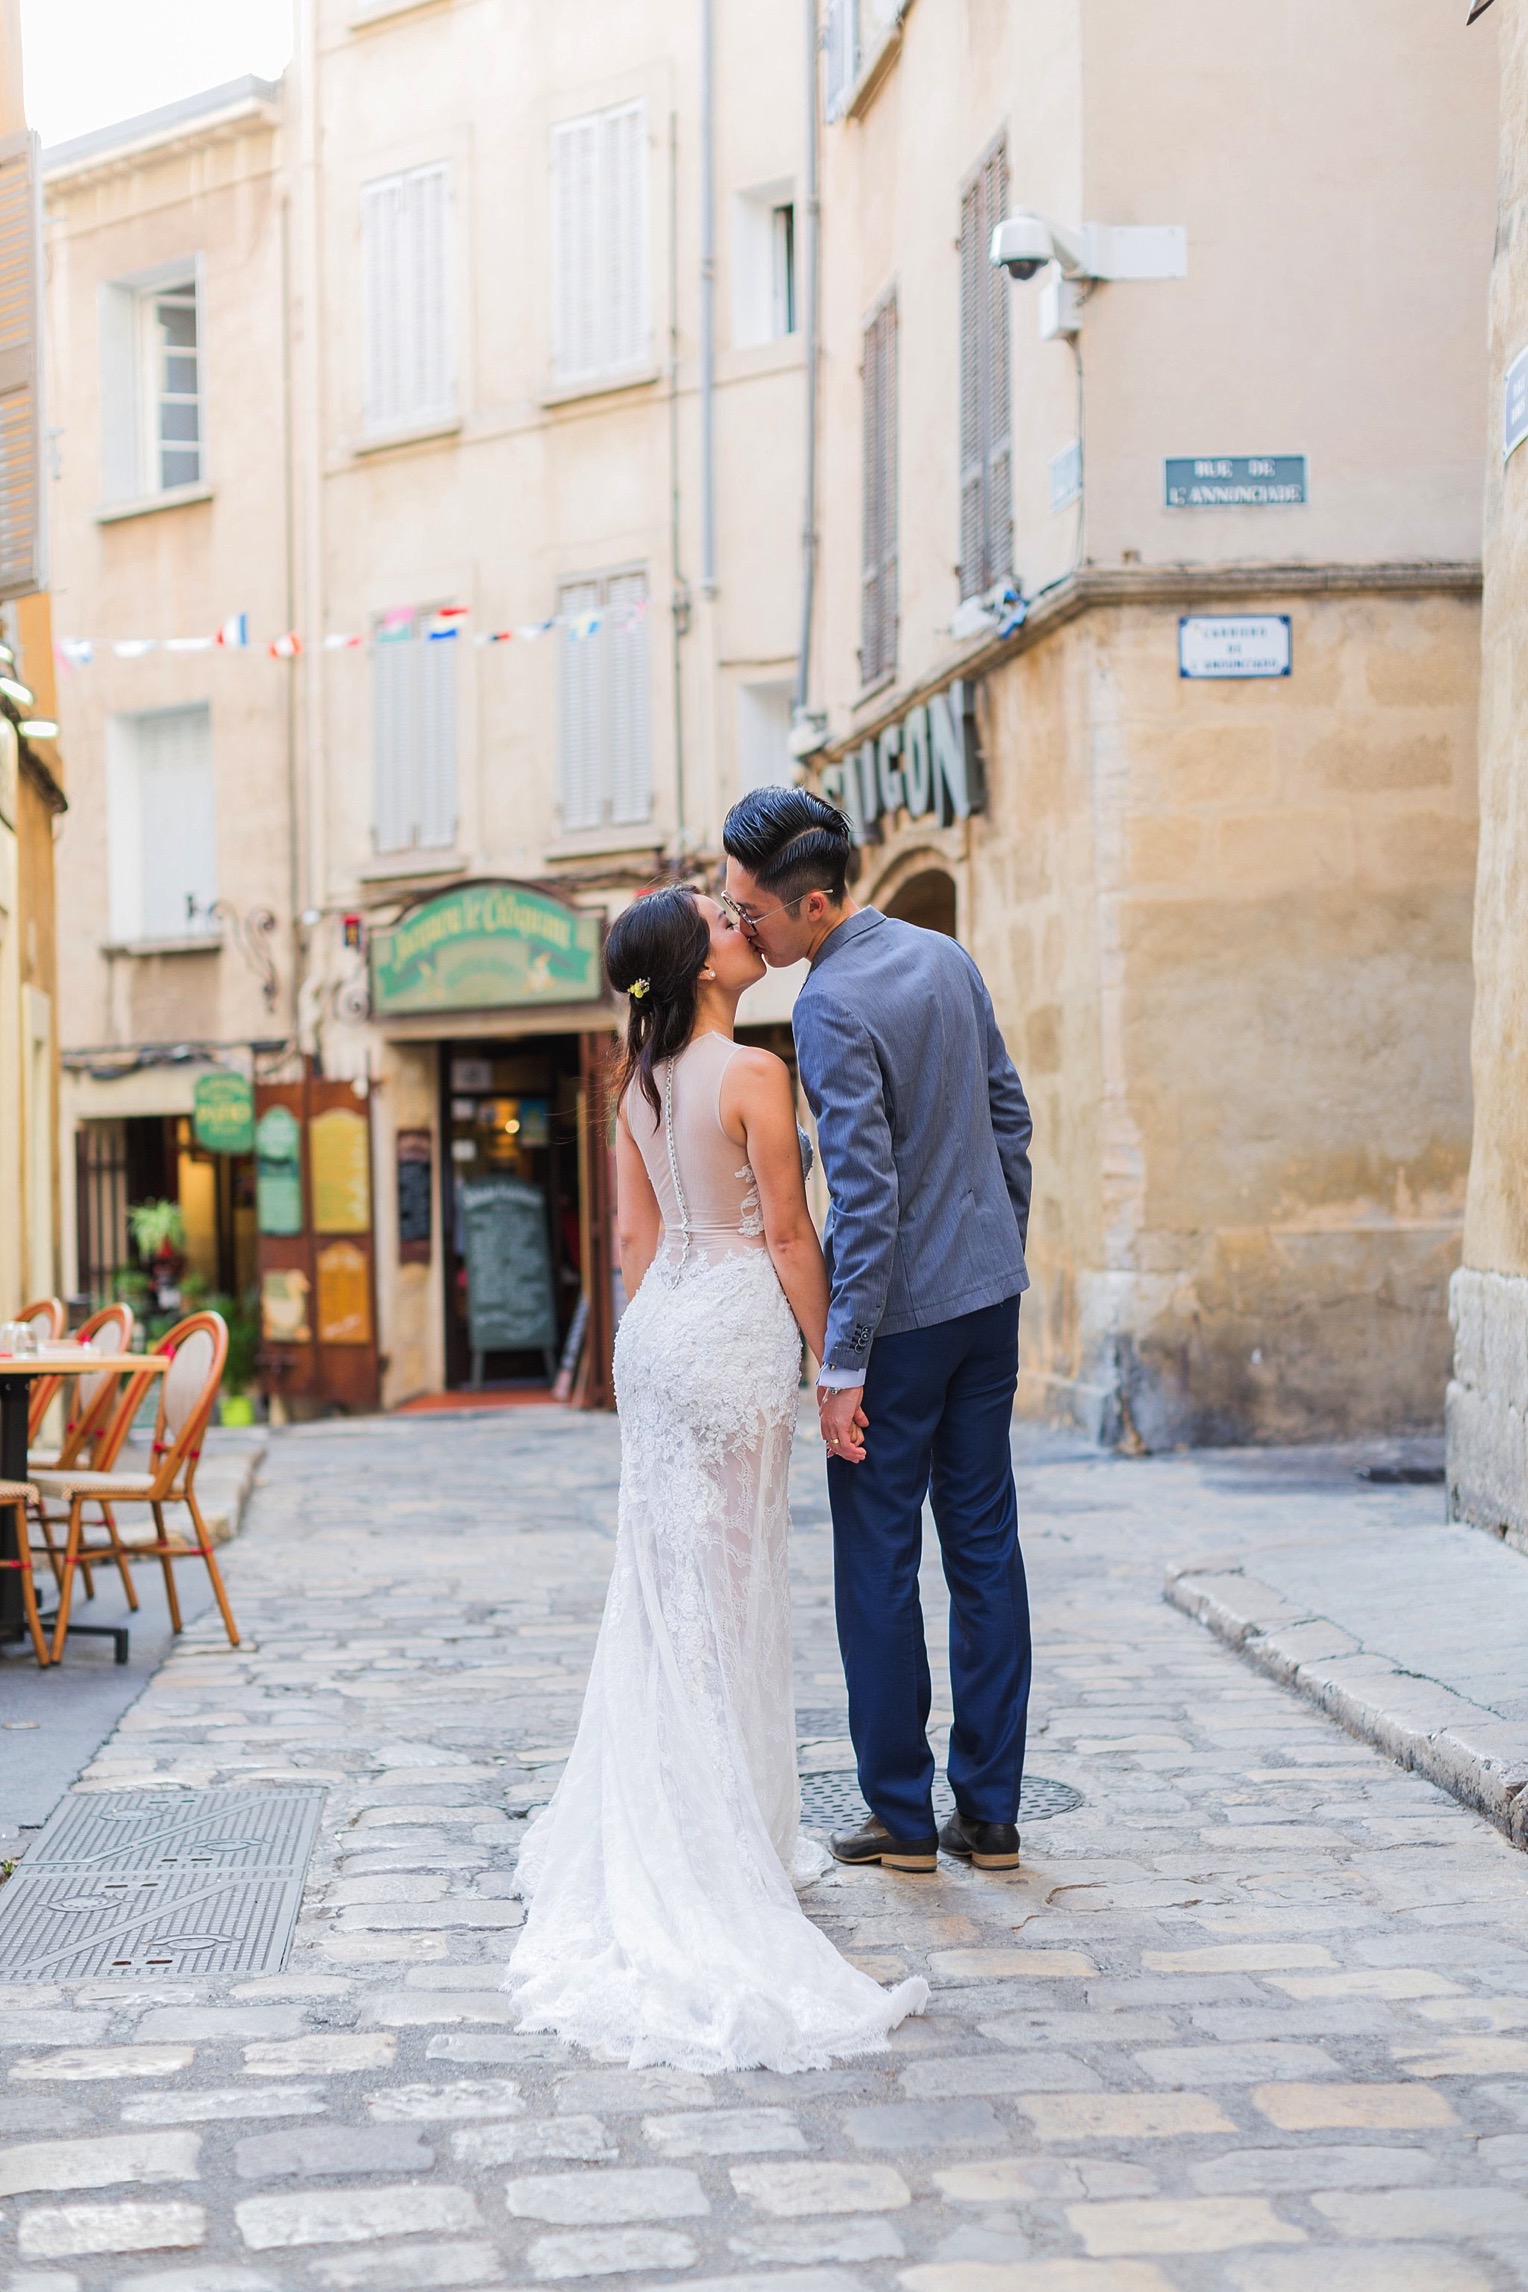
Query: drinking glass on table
[[17, 1337]]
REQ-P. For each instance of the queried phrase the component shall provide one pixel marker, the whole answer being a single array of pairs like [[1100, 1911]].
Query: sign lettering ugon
[[926, 764]]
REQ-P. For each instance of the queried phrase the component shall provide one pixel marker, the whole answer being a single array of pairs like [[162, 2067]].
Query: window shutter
[[628, 698], [406, 284], [428, 305], [998, 549], [392, 742], [580, 726], [435, 774], [878, 611], [623, 237], [841, 40], [973, 254], [986, 419], [121, 479], [381, 259], [22, 532], [575, 257], [177, 823]]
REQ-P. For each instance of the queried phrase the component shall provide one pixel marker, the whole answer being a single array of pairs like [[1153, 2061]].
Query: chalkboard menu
[[415, 1187], [509, 1266]]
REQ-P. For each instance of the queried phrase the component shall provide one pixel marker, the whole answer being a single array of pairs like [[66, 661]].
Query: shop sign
[[1235, 481], [485, 946], [340, 1172], [278, 1172], [223, 1113], [416, 1179], [1234, 645], [926, 765], [344, 1295], [1515, 406], [284, 1306]]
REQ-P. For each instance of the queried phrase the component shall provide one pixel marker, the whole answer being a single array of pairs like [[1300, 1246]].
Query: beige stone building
[[1199, 793], [1488, 1398]]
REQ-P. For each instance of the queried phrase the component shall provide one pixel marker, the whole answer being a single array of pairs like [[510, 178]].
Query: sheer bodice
[[662, 1924], [705, 1188]]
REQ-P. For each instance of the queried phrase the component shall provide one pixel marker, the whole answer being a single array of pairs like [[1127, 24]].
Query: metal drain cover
[[833, 1802], [185, 1882]]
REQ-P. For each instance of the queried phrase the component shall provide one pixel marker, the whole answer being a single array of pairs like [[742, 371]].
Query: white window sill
[[383, 441], [174, 497], [596, 843], [391, 867], [370, 12], [598, 386], [188, 943]]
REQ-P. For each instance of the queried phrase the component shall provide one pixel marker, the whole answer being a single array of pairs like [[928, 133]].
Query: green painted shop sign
[[223, 1113], [484, 947]]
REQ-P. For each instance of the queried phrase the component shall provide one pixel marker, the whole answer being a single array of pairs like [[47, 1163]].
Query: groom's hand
[[843, 1421]]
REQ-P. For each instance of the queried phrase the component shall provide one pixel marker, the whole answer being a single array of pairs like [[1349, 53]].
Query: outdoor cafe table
[[17, 1370]]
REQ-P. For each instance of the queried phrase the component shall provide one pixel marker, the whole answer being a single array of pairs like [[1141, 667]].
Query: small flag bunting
[[285, 648], [233, 636]]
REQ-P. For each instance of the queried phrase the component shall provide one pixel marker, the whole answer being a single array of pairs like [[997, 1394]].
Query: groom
[[924, 1132]]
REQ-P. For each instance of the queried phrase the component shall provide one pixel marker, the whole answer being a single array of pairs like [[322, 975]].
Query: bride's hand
[[843, 1420]]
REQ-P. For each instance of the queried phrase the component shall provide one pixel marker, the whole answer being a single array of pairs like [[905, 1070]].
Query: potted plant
[[159, 1236]]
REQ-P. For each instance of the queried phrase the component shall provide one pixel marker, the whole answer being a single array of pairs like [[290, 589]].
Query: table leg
[[15, 1406]]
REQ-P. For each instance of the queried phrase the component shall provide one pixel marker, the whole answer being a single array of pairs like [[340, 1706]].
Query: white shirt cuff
[[839, 1380]]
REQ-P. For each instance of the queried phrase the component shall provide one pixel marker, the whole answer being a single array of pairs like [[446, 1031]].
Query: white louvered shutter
[[22, 531], [580, 730], [381, 260], [973, 263], [576, 280], [406, 283], [628, 698], [841, 42], [178, 824], [878, 601], [393, 739], [986, 418], [435, 757], [625, 297]]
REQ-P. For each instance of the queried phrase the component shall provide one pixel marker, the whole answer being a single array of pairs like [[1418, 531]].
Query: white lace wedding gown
[[662, 1922]]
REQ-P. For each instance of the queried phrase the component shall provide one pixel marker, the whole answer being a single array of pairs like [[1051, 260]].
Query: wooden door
[[315, 1209]]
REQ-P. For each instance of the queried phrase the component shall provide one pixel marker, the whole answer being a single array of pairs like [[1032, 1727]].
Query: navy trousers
[[940, 1404]]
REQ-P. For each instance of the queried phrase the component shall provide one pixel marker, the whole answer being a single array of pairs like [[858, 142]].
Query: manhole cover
[[131, 1882], [833, 1802]]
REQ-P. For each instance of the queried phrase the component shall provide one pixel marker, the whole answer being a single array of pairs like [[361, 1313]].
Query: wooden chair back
[[48, 1320], [198, 1347], [93, 1409]]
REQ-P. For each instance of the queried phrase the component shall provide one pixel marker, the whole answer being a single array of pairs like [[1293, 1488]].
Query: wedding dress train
[[662, 1923]]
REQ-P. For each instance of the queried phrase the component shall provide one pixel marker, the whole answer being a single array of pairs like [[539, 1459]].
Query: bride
[[662, 1922]]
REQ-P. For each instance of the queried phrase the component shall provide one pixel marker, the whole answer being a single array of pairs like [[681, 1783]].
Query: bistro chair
[[15, 1495], [95, 1431], [49, 1320], [198, 1348]]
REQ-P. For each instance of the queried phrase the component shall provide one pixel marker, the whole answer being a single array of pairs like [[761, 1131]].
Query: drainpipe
[[680, 598], [811, 248], [708, 297]]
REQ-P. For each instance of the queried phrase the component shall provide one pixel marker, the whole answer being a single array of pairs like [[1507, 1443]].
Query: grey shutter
[[628, 698], [986, 418], [22, 531], [177, 820], [382, 256], [580, 727], [576, 280], [624, 239], [841, 41], [121, 452], [878, 595], [435, 757], [427, 311], [393, 742]]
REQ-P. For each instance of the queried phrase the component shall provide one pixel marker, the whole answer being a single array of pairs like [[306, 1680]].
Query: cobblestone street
[[1253, 2014]]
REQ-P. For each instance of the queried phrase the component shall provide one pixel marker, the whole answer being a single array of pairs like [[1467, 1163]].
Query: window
[[162, 819], [782, 241], [763, 265], [605, 758], [763, 735], [153, 429], [413, 737], [986, 485], [841, 43], [878, 593], [405, 260], [601, 304]]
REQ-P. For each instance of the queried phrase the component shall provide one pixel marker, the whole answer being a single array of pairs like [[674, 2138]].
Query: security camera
[[1024, 243]]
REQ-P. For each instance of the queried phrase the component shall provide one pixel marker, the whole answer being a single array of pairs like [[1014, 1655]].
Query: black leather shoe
[[873, 1842], [990, 1845]]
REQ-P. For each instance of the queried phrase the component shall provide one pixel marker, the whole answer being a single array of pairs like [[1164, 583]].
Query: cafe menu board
[[278, 1172], [344, 1295], [341, 1172], [509, 1266], [416, 1185], [284, 1306]]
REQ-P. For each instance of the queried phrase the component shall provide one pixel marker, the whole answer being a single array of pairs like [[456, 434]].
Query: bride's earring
[[708, 973]]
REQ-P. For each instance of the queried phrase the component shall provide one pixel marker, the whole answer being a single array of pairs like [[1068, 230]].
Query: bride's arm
[[756, 1096], [638, 1220]]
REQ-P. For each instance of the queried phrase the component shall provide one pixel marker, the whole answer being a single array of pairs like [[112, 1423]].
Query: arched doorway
[[927, 899]]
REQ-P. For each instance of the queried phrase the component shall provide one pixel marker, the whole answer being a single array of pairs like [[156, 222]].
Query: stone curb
[[1474, 1754]]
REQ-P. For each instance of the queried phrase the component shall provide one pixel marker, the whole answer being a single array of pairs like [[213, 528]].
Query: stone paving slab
[[1253, 2015]]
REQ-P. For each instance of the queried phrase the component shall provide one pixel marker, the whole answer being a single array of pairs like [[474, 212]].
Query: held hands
[[843, 1421]]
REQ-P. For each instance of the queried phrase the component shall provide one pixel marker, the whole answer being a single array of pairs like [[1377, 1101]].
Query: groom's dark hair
[[791, 842]]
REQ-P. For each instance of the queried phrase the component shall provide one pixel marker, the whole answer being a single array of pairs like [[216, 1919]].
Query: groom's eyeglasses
[[749, 922]]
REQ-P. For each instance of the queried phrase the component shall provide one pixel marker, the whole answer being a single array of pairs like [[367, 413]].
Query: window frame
[[129, 448]]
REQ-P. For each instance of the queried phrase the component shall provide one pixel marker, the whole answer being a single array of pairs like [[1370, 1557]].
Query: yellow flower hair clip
[[638, 989]]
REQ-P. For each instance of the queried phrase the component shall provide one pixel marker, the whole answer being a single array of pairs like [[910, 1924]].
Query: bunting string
[[400, 624]]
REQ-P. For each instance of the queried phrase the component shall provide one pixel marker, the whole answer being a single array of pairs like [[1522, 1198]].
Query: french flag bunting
[[285, 648], [233, 636]]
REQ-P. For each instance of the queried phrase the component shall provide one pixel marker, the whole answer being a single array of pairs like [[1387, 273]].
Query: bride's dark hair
[[653, 956]]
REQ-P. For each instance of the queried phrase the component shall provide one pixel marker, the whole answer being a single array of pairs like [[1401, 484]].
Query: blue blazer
[[924, 1130]]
